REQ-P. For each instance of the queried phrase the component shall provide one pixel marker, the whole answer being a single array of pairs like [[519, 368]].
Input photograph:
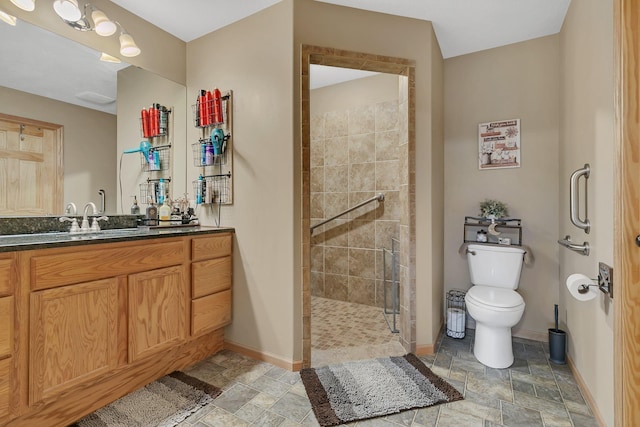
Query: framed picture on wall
[[499, 144]]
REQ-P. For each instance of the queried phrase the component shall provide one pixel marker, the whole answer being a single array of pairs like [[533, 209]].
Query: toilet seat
[[498, 299]]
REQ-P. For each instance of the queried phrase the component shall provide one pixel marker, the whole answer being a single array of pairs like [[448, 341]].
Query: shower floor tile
[[343, 331]]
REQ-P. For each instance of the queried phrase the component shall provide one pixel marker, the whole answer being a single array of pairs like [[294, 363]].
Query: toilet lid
[[496, 297]]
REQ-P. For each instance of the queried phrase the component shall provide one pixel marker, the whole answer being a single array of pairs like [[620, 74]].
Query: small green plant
[[493, 209]]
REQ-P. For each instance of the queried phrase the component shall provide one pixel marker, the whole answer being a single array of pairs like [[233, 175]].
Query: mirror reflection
[[50, 80]]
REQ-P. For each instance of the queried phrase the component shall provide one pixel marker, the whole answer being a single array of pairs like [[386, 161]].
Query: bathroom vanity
[[86, 321]]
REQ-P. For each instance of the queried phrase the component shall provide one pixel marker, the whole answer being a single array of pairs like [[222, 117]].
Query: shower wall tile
[[336, 203], [386, 116], [362, 177], [362, 120], [336, 179], [391, 209], [317, 284], [386, 145], [362, 148], [317, 153], [317, 180], [362, 234], [362, 263], [337, 233], [317, 258], [336, 286], [336, 260], [362, 291], [385, 230], [336, 151], [366, 212], [317, 127], [317, 206], [387, 177], [336, 124]]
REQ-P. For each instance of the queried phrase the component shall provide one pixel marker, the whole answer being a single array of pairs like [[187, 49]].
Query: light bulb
[[28, 5], [103, 25], [9, 19], [128, 47], [67, 10], [105, 57]]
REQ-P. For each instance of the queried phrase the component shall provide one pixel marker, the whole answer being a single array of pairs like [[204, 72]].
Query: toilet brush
[[557, 342], [555, 313]]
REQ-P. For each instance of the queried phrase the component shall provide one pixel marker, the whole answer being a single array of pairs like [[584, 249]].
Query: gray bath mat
[[363, 389]]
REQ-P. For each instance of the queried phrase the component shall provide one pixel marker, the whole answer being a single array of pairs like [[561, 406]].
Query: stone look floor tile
[[532, 392]]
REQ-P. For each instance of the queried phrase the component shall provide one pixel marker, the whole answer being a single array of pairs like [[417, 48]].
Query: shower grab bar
[[573, 198], [379, 197], [567, 243]]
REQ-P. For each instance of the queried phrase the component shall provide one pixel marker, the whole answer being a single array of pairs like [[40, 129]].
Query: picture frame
[[499, 144]]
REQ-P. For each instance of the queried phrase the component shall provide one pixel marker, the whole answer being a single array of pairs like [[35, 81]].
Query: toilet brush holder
[[557, 346]]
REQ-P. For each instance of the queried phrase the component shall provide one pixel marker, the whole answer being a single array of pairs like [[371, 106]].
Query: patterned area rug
[[165, 402], [364, 389]]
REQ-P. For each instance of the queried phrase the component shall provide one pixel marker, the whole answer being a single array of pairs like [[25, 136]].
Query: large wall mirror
[[45, 78]]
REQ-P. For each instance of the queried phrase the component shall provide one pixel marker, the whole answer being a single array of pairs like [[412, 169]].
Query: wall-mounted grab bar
[[574, 199], [379, 197], [567, 243]]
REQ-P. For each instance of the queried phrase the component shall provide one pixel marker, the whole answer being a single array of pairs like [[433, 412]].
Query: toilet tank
[[495, 265]]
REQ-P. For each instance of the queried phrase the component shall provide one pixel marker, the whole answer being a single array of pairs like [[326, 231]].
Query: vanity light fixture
[[70, 13], [68, 10], [105, 57], [28, 5], [128, 47], [9, 19]]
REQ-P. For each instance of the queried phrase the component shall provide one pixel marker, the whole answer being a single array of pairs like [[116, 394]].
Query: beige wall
[[515, 81], [89, 144], [157, 45], [253, 57], [587, 133], [138, 89], [322, 24]]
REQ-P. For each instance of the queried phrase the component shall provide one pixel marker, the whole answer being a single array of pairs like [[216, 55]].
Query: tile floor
[[533, 392]]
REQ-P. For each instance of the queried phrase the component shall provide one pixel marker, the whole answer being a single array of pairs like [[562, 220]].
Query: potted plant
[[493, 209]]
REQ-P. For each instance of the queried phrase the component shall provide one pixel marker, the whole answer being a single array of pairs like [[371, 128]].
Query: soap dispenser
[[135, 209], [151, 216], [165, 212]]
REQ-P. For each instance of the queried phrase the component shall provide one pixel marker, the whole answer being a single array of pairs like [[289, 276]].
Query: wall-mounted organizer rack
[[510, 228], [156, 126], [213, 152]]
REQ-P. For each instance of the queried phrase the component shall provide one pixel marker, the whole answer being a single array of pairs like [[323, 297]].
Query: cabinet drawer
[[6, 276], [83, 266], [211, 312], [211, 247], [5, 388], [6, 326], [210, 276]]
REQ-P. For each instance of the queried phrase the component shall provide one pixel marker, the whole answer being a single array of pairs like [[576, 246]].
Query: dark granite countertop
[[23, 242]]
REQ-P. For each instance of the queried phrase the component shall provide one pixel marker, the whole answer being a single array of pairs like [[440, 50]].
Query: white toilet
[[493, 302]]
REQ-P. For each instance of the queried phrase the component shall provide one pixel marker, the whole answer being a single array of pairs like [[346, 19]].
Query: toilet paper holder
[[605, 281]]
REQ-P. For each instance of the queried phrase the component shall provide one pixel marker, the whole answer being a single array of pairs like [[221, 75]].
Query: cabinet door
[[157, 311], [73, 336], [5, 387]]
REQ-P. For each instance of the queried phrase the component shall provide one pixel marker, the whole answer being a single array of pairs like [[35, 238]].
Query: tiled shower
[[355, 155]]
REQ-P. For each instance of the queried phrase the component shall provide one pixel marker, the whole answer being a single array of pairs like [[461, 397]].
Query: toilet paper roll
[[575, 281], [455, 321]]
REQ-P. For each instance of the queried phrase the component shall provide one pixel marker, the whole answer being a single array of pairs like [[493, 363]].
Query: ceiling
[[461, 27]]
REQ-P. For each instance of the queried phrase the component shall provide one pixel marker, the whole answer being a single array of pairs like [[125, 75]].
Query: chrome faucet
[[71, 209], [85, 221]]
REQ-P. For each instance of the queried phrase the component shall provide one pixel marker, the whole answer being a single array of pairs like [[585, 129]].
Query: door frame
[[363, 61], [627, 213]]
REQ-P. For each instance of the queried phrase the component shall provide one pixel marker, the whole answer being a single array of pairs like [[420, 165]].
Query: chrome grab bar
[[567, 243], [379, 197], [573, 199]]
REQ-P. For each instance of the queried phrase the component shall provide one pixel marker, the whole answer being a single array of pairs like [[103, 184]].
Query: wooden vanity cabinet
[[7, 359], [210, 283], [103, 320]]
